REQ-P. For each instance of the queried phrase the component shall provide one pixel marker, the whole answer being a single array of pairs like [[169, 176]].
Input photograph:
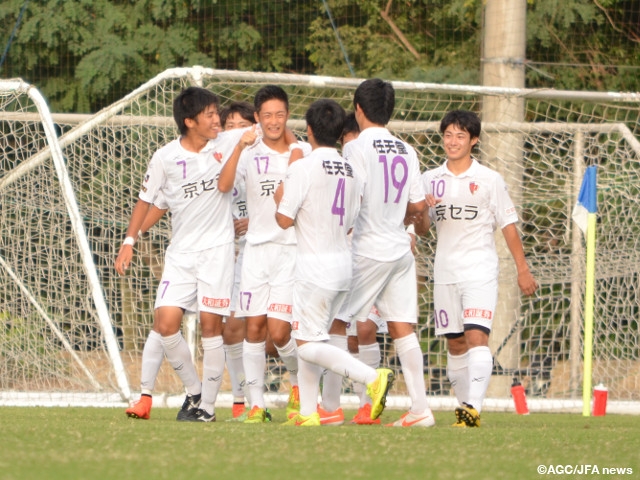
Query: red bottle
[[599, 400], [519, 398]]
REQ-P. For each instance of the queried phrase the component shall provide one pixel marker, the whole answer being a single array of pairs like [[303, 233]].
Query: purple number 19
[[392, 171], [338, 201]]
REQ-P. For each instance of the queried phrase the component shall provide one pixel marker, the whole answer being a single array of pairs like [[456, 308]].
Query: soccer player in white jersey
[[237, 115], [384, 269], [466, 202], [269, 256], [198, 263], [321, 197]]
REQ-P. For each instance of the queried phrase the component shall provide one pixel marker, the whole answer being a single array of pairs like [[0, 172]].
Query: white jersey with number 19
[[390, 170]]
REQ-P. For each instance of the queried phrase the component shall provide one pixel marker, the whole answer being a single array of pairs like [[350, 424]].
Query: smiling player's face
[[457, 143], [206, 125], [273, 116]]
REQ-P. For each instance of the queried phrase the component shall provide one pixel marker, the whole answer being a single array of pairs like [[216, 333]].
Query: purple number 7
[[391, 171], [184, 167], [164, 290], [247, 295]]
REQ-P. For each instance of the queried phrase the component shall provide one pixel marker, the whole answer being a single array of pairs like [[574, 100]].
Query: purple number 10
[[398, 182]]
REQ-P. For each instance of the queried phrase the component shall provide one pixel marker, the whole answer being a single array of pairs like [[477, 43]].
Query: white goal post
[[73, 329]]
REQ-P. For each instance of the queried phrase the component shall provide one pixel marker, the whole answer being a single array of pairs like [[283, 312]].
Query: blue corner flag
[[587, 199]]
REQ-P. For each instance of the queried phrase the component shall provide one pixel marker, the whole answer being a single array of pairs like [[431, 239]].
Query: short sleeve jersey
[[390, 171], [322, 193], [239, 205], [261, 169], [187, 183], [472, 205]]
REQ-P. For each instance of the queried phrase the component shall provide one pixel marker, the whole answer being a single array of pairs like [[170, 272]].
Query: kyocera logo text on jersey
[[217, 156], [473, 187], [216, 302], [280, 308], [477, 313]]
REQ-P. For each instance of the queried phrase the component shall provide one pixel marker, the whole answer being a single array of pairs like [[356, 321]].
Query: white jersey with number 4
[[471, 206], [391, 174], [187, 183], [322, 194], [262, 169]]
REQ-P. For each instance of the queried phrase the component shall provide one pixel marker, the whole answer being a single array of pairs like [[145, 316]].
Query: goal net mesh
[[542, 155]]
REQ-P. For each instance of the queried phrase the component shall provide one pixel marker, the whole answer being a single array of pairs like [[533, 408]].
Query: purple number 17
[[391, 171]]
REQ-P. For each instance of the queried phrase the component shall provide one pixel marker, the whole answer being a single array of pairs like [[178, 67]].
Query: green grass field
[[90, 443]]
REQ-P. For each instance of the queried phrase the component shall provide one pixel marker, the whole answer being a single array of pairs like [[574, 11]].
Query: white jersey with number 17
[[391, 173]]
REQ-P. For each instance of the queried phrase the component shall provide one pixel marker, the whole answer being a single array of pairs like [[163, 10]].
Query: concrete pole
[[504, 48]]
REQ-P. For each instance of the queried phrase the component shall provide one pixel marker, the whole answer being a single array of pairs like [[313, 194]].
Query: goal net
[[47, 295]]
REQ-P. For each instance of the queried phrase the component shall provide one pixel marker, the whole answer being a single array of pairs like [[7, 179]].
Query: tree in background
[[86, 54]]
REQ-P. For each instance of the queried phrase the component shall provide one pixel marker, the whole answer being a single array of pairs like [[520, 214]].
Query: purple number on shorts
[[184, 167], [391, 171], [247, 295], [338, 201], [264, 159], [166, 285], [441, 318], [437, 188]]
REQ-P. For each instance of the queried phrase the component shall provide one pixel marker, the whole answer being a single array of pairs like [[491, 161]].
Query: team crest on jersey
[[217, 156], [473, 187]]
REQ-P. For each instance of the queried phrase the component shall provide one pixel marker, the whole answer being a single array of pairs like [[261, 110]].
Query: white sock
[[309, 383], [152, 356], [332, 382], [410, 354], [369, 355], [255, 364], [179, 357], [289, 357], [233, 356], [358, 389], [212, 370], [480, 368], [458, 375], [338, 361]]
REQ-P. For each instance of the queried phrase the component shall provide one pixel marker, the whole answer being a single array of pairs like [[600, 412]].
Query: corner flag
[[587, 203], [584, 214]]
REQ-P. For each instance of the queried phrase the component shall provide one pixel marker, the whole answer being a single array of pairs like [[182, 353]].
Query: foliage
[[85, 54]]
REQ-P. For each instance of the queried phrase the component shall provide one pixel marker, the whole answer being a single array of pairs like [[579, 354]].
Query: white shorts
[[314, 308], [391, 286], [198, 278], [266, 286], [374, 316], [465, 303]]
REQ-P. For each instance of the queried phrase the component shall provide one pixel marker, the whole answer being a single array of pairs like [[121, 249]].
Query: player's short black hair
[[350, 124], [270, 92], [244, 109], [325, 118], [377, 100], [190, 103], [464, 120]]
